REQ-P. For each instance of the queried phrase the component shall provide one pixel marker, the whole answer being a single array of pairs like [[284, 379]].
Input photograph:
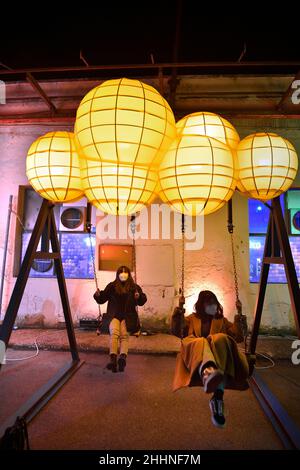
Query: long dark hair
[[124, 287], [210, 297]]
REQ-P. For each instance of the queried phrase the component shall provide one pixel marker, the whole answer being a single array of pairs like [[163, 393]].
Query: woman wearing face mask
[[122, 295], [209, 353]]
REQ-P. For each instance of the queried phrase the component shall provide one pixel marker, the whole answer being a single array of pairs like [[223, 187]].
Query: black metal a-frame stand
[[44, 229], [277, 250]]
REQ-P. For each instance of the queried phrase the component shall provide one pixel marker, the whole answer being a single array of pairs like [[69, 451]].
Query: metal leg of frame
[[290, 270], [63, 289], [45, 226], [287, 430], [277, 250], [18, 291], [43, 395]]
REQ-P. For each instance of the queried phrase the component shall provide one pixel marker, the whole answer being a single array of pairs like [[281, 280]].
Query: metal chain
[[89, 228], [133, 230], [237, 299], [182, 255], [181, 289], [236, 285]]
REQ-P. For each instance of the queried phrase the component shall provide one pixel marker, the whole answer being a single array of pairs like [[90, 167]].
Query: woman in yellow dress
[[209, 354]]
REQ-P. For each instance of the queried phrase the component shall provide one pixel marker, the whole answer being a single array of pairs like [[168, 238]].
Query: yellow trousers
[[118, 336]]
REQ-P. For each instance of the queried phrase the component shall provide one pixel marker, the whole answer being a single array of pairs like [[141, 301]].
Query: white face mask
[[211, 309], [123, 277]]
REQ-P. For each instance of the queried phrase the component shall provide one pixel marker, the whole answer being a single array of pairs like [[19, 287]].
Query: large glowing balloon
[[267, 165], [196, 175], [118, 189], [211, 125], [124, 121], [52, 167]]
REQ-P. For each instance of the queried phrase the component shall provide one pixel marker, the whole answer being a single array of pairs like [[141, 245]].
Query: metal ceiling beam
[[36, 86], [155, 66], [70, 118]]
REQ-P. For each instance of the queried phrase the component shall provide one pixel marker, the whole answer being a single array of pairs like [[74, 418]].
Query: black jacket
[[122, 306]]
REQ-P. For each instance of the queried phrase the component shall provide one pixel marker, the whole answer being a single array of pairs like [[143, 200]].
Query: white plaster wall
[[209, 268]]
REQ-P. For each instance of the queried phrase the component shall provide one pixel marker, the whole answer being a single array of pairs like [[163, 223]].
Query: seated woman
[[122, 295], [209, 353]]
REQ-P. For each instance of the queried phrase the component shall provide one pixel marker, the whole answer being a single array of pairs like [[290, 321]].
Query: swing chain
[[100, 316], [238, 302], [133, 231], [181, 289]]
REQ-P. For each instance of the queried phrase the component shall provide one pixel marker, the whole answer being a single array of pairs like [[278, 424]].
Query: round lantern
[[124, 121], [52, 167], [196, 175], [211, 125], [117, 189], [267, 165]]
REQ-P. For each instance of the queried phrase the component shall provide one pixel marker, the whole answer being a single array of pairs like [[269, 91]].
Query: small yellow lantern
[[211, 125], [52, 167], [117, 189], [196, 175], [124, 121], [267, 165]]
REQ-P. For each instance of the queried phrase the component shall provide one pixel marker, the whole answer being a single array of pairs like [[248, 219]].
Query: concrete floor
[[133, 410], [284, 381]]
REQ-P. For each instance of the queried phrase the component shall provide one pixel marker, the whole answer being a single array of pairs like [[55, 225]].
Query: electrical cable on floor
[[265, 357], [7, 359], [258, 354], [28, 357]]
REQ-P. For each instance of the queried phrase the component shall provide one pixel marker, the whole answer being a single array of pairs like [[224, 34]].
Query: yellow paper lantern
[[267, 165], [211, 125], [196, 175], [118, 189], [124, 121], [52, 167]]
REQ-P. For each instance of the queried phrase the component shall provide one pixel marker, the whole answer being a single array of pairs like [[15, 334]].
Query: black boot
[[122, 362], [112, 365]]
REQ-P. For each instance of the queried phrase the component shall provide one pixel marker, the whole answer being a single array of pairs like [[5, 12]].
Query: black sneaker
[[217, 412], [112, 365], [122, 362]]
